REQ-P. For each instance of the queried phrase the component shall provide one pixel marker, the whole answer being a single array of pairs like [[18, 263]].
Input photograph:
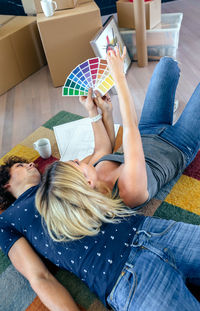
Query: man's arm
[[48, 289]]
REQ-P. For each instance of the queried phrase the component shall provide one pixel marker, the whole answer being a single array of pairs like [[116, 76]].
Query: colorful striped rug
[[179, 201]]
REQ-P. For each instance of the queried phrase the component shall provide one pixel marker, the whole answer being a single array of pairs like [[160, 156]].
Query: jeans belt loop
[[138, 233]]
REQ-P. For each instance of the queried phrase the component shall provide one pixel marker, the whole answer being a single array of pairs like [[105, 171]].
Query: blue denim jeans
[[157, 113], [164, 255]]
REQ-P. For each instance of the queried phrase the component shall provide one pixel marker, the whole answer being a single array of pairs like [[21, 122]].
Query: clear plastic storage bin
[[161, 40]]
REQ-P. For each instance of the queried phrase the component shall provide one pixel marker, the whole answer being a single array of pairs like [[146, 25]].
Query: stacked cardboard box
[[21, 52], [125, 13], [66, 38]]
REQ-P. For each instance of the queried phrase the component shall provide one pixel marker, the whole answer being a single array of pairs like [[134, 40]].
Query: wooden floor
[[32, 102]]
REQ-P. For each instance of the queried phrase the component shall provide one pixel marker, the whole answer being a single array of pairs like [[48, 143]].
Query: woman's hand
[[103, 102], [88, 102], [116, 63]]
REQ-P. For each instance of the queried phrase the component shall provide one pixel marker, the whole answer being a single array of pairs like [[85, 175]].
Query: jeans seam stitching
[[133, 292], [163, 232]]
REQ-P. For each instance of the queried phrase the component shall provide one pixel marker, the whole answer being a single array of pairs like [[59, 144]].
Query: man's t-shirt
[[96, 260]]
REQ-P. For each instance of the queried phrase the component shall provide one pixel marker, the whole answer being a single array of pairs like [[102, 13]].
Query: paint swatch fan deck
[[93, 73]]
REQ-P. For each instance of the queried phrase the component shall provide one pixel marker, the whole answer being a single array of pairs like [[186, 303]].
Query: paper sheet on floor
[[75, 139]]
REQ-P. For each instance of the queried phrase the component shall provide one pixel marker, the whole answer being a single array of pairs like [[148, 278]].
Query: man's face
[[23, 174]]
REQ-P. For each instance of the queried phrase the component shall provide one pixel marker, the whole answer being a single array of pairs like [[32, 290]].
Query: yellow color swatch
[[109, 80], [103, 89], [105, 84]]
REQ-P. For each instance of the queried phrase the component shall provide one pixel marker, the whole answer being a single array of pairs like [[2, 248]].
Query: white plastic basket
[[161, 40]]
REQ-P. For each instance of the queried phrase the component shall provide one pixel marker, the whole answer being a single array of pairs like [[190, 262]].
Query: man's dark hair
[[6, 198]]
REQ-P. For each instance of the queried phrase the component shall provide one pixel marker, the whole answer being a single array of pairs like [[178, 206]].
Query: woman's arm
[[48, 289], [101, 138], [133, 178], [105, 104]]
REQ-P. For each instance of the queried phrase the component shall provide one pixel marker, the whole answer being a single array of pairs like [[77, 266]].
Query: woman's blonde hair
[[70, 208]]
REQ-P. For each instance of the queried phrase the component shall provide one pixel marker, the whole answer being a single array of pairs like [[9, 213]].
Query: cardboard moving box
[[125, 13], [21, 51], [66, 38], [61, 5], [5, 19]]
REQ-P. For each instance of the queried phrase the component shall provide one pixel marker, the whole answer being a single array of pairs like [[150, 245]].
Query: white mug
[[43, 146], [48, 7]]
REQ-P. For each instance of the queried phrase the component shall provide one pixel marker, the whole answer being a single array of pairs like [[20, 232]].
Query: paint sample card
[[93, 73]]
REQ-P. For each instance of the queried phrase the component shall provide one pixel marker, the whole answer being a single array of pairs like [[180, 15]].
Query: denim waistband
[[139, 237], [143, 236]]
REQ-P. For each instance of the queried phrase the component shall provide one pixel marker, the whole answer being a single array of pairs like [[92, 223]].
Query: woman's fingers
[[103, 102], [117, 51], [124, 53], [90, 93], [98, 96], [82, 99], [98, 99], [97, 93], [87, 101], [101, 98], [111, 53], [106, 97]]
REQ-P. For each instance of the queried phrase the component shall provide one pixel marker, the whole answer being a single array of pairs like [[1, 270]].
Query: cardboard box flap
[[15, 24], [79, 10], [61, 5], [5, 19]]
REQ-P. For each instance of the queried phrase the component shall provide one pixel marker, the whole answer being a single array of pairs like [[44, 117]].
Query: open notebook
[[75, 139]]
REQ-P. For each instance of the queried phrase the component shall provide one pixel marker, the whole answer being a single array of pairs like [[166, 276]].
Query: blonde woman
[[154, 152]]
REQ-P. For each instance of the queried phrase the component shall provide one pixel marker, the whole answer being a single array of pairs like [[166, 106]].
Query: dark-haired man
[[19, 224]]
